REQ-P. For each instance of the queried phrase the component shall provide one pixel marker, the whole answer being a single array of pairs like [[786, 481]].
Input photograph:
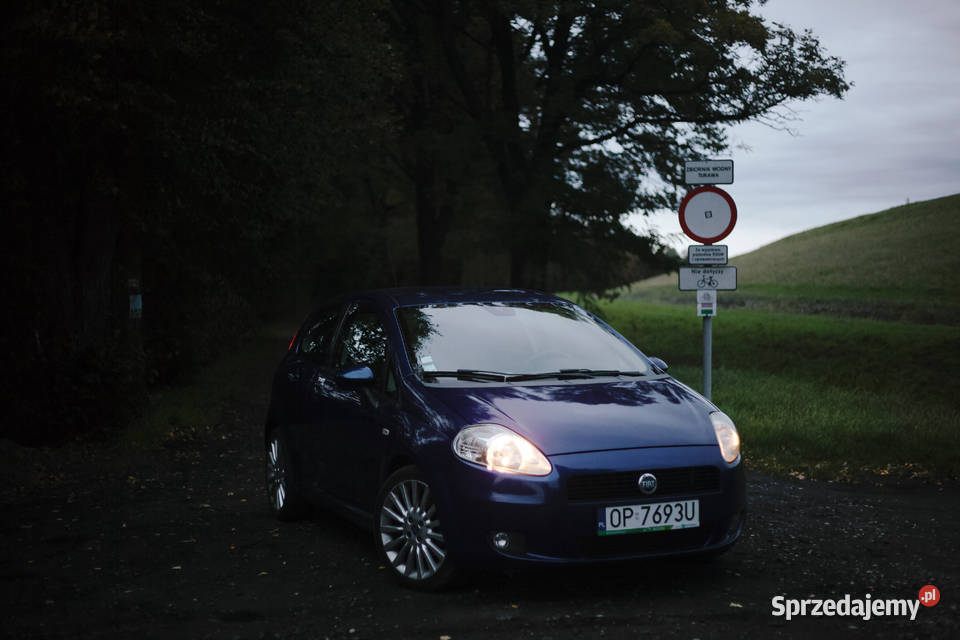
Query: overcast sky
[[896, 135]]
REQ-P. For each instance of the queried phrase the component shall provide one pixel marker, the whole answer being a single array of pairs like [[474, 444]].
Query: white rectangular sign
[[716, 278], [708, 171], [707, 254]]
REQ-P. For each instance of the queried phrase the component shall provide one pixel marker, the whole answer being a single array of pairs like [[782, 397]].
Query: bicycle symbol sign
[[708, 278], [707, 282]]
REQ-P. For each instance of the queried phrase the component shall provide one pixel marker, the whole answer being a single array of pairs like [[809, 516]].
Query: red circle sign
[[707, 214]]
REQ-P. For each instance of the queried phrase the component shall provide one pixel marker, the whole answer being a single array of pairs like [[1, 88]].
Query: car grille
[[623, 485], [642, 543]]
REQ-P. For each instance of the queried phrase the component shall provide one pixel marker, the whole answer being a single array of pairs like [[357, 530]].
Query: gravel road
[[102, 542]]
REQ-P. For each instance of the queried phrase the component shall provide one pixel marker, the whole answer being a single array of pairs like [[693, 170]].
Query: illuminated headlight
[[727, 436], [499, 449]]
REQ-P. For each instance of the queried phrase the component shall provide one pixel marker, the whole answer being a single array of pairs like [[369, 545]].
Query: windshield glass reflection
[[512, 338]]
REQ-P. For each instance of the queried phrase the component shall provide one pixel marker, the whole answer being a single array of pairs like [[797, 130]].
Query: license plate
[[658, 516]]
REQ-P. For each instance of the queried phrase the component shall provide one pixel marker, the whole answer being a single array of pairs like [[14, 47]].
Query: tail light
[[292, 340]]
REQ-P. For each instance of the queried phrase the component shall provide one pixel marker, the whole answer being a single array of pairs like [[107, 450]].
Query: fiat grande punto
[[474, 427]]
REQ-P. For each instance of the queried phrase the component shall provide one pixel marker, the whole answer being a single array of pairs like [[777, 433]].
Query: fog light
[[501, 540]]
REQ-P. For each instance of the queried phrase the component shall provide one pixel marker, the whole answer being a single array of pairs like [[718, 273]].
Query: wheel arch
[[394, 463]]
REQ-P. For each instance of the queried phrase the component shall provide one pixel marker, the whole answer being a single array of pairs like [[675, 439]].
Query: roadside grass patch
[[795, 427], [814, 395], [913, 361]]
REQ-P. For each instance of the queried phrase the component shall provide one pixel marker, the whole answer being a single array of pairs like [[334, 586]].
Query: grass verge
[[818, 396]]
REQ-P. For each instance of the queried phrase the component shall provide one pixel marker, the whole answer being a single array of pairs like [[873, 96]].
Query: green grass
[[818, 396], [853, 353], [908, 252], [839, 354], [899, 264]]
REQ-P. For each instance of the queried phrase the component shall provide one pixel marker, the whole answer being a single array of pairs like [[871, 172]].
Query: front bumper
[[545, 524]]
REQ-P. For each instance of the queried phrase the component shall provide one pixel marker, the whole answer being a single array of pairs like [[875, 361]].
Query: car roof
[[416, 296]]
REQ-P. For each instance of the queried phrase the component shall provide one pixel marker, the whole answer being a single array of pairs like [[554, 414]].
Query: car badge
[[647, 483]]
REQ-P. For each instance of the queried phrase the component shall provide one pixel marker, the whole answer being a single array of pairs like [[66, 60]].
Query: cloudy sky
[[896, 135]]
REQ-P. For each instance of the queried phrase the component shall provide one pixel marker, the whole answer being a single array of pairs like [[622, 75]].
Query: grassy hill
[[839, 356], [898, 264]]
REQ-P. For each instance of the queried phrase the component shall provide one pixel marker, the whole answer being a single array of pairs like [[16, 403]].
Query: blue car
[[477, 427]]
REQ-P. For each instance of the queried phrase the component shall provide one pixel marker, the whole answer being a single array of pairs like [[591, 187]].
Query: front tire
[[285, 501], [408, 534]]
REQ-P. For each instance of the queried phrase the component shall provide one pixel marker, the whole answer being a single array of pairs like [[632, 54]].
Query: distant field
[[818, 396], [899, 264]]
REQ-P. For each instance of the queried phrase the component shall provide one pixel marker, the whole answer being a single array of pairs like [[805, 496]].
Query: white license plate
[[658, 516]]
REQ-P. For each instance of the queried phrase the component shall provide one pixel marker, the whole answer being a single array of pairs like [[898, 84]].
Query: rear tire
[[408, 533], [285, 500]]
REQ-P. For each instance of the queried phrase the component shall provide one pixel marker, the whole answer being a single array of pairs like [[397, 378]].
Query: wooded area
[[229, 160]]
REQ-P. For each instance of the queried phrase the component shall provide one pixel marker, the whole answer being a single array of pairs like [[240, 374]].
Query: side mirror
[[658, 363], [356, 376]]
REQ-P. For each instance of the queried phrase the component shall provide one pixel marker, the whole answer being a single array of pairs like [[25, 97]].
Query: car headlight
[[500, 449], [727, 436]]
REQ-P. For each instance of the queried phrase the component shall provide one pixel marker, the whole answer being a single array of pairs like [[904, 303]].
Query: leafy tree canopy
[[588, 109]]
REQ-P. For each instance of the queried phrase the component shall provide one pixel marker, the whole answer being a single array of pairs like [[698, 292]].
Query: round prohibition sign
[[707, 214]]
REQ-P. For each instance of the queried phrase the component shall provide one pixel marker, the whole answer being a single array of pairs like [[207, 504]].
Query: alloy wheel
[[276, 474], [410, 531]]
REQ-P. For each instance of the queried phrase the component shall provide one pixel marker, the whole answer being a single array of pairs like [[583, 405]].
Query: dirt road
[[100, 542]]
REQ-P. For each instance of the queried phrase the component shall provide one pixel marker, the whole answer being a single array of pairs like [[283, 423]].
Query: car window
[[363, 342], [316, 340], [512, 337]]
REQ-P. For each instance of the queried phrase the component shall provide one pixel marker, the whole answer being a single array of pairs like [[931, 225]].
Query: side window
[[363, 342], [316, 340]]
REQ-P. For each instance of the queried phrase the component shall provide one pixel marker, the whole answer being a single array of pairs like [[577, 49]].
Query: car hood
[[575, 416]]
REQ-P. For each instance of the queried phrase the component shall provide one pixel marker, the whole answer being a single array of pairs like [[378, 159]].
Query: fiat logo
[[647, 483]]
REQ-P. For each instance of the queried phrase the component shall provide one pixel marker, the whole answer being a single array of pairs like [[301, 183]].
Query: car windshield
[[513, 338]]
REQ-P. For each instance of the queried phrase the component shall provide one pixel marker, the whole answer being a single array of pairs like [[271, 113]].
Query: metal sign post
[[707, 215], [707, 355]]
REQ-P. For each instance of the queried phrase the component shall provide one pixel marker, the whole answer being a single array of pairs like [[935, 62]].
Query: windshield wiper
[[468, 374], [496, 376], [571, 374]]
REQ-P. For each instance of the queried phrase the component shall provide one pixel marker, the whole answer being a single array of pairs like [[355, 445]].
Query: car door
[[315, 373], [361, 417]]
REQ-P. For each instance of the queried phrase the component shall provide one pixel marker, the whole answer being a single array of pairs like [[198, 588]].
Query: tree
[[587, 109], [201, 148]]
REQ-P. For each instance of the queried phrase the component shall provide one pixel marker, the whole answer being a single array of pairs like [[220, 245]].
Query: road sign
[[708, 214], [706, 303], [708, 171], [707, 254], [714, 278]]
